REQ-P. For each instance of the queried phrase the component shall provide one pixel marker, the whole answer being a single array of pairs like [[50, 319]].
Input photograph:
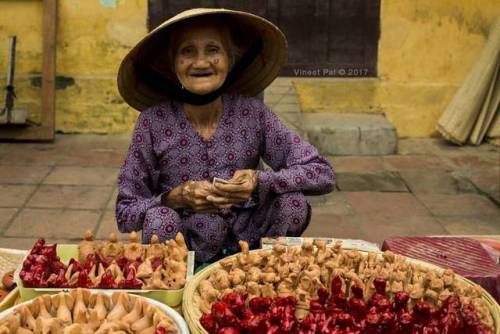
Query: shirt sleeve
[[138, 178], [296, 164]]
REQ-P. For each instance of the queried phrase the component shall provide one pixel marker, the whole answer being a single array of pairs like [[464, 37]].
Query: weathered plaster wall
[[426, 50], [93, 36]]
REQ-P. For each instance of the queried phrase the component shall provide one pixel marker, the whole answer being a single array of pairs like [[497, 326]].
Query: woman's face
[[201, 60]]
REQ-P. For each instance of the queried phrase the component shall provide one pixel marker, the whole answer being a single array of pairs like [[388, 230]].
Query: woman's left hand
[[226, 195]]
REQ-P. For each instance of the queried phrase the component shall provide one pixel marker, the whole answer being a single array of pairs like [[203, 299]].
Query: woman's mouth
[[201, 74]]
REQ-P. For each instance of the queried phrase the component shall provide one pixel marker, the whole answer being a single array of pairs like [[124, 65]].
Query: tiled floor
[[59, 190]]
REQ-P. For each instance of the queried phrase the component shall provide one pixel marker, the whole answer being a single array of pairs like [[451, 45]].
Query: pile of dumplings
[[81, 312], [158, 265], [301, 271]]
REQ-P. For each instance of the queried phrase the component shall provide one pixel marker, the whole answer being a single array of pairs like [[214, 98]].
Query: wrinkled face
[[201, 60]]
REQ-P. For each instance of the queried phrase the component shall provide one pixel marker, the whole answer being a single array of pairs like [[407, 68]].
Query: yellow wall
[[426, 50], [93, 36]]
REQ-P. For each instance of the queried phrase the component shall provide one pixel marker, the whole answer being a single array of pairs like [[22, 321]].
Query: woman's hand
[[226, 195], [191, 194]]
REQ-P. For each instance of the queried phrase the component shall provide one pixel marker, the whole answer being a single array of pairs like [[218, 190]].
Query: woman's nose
[[201, 61]]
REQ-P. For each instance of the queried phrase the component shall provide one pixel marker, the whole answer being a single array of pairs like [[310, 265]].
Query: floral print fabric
[[166, 151]]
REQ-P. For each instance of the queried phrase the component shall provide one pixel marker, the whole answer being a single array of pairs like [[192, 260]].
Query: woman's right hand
[[192, 194], [195, 196]]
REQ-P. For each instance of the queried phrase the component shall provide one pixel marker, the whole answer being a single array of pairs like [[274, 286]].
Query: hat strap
[[159, 83]]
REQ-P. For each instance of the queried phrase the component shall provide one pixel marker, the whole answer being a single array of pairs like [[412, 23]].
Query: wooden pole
[[49, 64], [46, 130]]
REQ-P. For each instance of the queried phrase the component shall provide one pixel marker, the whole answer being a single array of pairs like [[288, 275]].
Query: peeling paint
[[61, 82], [112, 3]]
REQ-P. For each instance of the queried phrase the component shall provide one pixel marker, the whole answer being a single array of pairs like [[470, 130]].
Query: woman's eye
[[188, 51], [213, 49]]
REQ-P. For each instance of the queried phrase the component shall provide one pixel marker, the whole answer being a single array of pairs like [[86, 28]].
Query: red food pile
[[44, 269], [40, 264], [336, 314]]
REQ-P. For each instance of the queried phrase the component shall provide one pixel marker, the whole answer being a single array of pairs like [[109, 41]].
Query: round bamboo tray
[[192, 313]]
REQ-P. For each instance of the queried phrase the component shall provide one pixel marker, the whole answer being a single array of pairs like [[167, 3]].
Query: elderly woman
[[192, 79]]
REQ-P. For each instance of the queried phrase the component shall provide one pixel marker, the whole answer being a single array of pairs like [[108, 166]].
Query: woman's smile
[[201, 60], [202, 74]]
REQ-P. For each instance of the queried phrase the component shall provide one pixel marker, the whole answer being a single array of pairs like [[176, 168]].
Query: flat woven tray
[[192, 313], [10, 259]]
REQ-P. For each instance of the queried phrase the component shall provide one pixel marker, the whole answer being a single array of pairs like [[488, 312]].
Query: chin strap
[[159, 83]]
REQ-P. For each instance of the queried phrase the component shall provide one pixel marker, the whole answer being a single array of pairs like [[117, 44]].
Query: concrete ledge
[[350, 134]]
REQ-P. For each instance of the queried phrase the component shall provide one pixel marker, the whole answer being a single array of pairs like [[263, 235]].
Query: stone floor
[[59, 190]]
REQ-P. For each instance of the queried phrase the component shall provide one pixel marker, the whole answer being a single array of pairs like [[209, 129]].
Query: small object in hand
[[8, 280], [222, 181]]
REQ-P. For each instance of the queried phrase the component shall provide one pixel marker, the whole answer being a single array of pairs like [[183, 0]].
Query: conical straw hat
[[151, 53]]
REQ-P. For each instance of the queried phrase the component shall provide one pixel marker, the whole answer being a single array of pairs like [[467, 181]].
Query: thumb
[[238, 174]]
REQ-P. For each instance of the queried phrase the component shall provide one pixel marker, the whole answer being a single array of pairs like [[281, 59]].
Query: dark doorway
[[326, 38]]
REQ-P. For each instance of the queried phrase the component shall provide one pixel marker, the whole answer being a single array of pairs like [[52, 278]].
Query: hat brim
[[152, 51]]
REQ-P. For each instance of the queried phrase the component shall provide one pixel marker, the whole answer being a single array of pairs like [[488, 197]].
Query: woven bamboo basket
[[192, 313], [10, 259]]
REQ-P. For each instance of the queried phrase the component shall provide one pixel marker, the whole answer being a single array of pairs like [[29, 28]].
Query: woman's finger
[[216, 200], [231, 188], [220, 193], [202, 194], [201, 202], [242, 174], [239, 196], [223, 200], [198, 193], [225, 206]]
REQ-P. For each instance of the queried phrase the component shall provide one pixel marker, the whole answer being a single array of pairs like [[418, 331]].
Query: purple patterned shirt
[[166, 151]]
